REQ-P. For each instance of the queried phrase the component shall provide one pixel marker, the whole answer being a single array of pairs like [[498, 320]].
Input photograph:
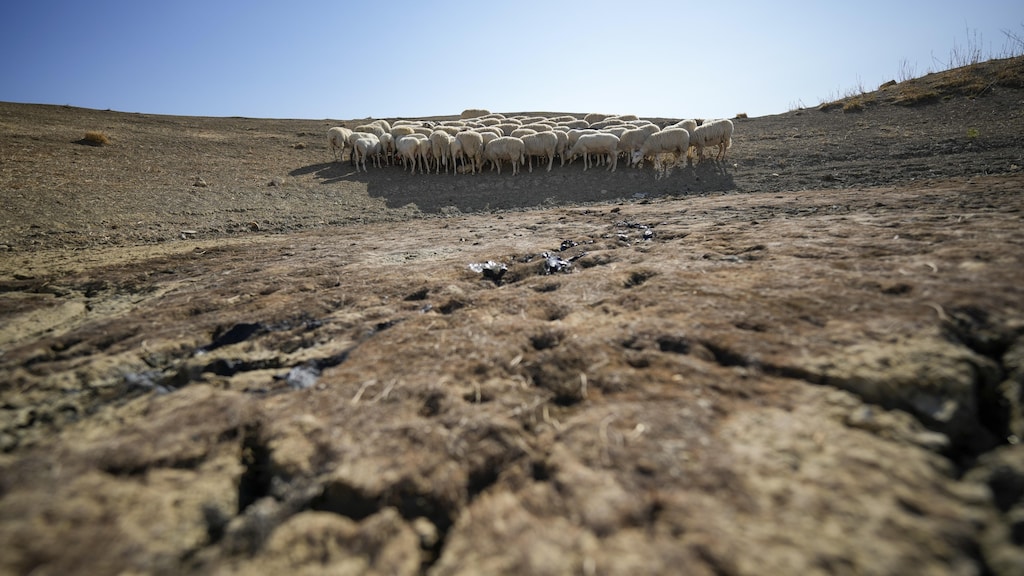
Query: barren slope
[[807, 359]]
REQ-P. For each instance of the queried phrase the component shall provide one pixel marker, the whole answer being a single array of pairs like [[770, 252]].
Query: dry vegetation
[[95, 138], [969, 80]]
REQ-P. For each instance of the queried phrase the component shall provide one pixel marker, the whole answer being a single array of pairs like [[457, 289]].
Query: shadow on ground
[[488, 191]]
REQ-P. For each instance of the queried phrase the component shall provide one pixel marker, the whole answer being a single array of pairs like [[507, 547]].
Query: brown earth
[[221, 352]]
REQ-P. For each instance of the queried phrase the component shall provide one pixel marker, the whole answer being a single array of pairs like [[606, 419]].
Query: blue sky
[[356, 59]]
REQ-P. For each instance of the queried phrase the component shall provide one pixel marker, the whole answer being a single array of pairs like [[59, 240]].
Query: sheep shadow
[[489, 191], [330, 172]]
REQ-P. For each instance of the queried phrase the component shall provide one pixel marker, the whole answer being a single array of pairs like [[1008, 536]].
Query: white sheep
[[424, 152], [574, 124], [713, 133], [455, 153], [607, 123], [387, 147], [507, 127], [575, 134], [440, 149], [540, 126], [352, 137], [488, 136], [596, 143], [375, 129], [491, 129], [618, 129], [367, 145], [631, 140], [470, 149], [400, 130], [407, 148], [689, 125], [520, 132], [541, 144], [596, 117], [505, 148], [337, 140], [673, 140], [563, 144], [449, 129]]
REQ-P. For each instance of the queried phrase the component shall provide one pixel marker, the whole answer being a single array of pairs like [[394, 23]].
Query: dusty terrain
[[221, 352]]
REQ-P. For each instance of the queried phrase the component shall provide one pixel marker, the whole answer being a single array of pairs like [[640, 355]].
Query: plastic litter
[[491, 270]]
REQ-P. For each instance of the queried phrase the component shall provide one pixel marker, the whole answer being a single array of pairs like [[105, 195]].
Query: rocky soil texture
[[223, 353]]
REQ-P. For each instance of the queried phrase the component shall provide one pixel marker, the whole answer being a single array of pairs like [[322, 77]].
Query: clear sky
[[344, 60]]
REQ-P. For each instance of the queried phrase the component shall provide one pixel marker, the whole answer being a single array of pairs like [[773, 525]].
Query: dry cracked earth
[[223, 353]]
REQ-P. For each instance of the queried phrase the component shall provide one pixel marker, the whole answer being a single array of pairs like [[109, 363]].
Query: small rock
[[200, 183]]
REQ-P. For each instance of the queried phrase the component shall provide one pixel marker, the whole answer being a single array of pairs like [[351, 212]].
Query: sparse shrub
[[966, 80], [914, 94], [826, 106], [741, 115], [1012, 74], [854, 105], [95, 138], [907, 71], [972, 53], [973, 133]]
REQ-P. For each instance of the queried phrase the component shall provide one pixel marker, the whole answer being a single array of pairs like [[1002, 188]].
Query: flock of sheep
[[480, 138]]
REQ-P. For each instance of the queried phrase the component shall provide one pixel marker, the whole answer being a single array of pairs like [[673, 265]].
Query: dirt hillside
[[222, 352]]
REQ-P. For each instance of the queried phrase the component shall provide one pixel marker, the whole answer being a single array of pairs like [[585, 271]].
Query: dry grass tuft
[[915, 94], [1011, 75], [854, 105], [95, 138], [859, 103]]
